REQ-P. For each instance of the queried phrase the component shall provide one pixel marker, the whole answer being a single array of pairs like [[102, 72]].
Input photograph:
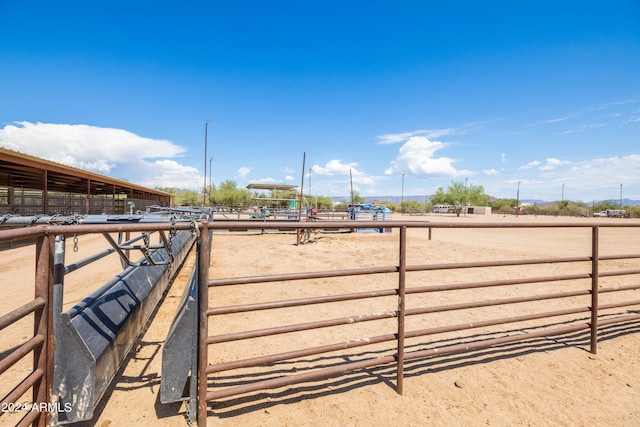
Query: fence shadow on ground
[[386, 374]]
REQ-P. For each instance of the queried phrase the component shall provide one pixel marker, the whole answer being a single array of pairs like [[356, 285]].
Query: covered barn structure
[[279, 195], [32, 186]]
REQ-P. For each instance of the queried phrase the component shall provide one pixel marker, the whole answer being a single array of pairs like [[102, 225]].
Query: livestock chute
[[94, 337]]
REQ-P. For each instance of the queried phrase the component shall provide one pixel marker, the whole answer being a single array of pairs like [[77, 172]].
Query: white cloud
[[347, 170], [584, 128], [490, 172], [392, 138], [503, 158], [114, 152], [553, 163], [172, 174], [336, 167], [583, 180], [417, 157], [85, 146], [288, 178], [530, 165], [243, 172], [559, 119], [268, 180], [549, 164], [608, 172]]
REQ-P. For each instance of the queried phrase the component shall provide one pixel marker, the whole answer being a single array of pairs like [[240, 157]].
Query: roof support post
[[88, 199], [45, 192]]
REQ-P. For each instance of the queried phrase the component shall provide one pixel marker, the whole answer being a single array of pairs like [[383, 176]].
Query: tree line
[[457, 194]]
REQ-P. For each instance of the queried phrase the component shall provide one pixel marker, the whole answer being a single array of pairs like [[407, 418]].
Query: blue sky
[[543, 93]]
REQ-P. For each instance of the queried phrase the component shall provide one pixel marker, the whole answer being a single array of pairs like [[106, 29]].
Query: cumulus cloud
[[336, 167], [243, 172], [417, 155], [170, 172], [114, 152]]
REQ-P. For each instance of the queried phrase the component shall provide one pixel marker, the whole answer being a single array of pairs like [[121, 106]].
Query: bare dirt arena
[[550, 382]]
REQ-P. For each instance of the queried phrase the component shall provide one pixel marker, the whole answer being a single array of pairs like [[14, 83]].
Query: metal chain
[[75, 243], [194, 227], [172, 233]]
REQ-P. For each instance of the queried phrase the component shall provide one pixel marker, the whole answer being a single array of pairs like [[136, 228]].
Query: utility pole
[[204, 187], [518, 199]]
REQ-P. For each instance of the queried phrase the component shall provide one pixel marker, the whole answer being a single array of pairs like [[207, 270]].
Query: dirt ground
[[540, 382]]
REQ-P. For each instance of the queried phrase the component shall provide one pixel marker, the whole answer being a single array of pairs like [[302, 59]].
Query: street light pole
[[620, 196], [518, 198], [204, 188], [562, 200]]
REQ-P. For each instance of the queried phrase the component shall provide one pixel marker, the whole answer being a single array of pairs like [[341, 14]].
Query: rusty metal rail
[[39, 346], [576, 317], [29, 401]]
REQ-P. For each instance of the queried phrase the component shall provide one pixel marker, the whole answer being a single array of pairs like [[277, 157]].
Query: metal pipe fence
[[39, 345], [409, 324], [580, 310]]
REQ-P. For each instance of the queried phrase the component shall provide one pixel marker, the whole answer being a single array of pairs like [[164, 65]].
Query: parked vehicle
[[611, 213], [443, 209], [616, 213]]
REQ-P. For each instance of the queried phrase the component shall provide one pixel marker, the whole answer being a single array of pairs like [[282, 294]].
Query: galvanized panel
[[94, 337], [179, 365]]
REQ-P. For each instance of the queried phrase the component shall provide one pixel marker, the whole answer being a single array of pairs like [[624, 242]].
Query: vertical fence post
[[402, 270], [43, 320], [56, 303], [204, 261], [594, 288]]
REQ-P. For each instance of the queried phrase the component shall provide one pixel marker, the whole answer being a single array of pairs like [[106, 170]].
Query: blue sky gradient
[[543, 93]]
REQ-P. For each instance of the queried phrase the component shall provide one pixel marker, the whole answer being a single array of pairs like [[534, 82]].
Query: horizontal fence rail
[[580, 309]]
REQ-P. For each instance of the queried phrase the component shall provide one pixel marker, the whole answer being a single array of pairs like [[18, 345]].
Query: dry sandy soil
[[540, 382]]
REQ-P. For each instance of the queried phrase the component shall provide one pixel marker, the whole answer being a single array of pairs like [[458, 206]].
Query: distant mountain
[[625, 202], [422, 199], [388, 199]]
